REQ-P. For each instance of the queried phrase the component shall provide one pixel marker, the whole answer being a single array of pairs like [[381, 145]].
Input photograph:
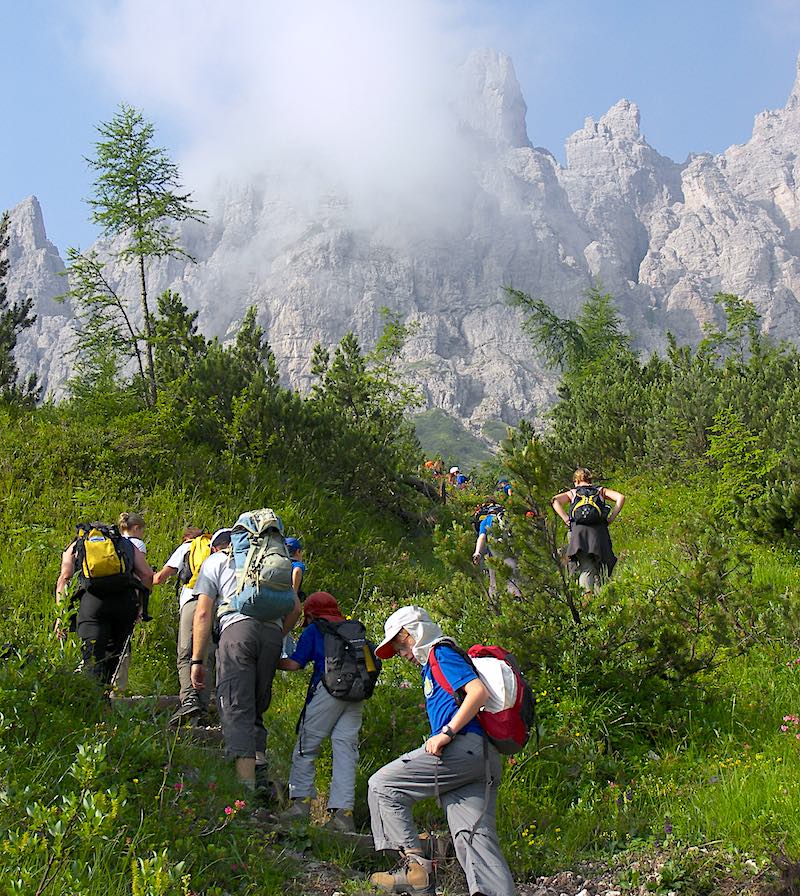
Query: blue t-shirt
[[440, 705], [311, 648], [486, 524]]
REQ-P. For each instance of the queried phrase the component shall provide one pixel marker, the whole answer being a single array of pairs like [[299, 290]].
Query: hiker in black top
[[105, 616], [585, 512]]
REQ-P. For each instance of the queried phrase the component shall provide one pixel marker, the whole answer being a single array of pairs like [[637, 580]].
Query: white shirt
[[176, 562], [137, 543], [217, 579]]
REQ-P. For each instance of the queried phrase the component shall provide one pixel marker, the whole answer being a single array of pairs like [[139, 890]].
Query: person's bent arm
[[288, 665], [142, 569], [481, 548], [558, 504], [163, 574], [66, 573], [201, 632], [292, 616], [618, 498], [475, 697]]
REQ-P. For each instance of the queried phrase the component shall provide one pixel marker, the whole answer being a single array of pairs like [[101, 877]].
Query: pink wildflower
[[240, 804], [228, 810], [784, 727], [179, 786], [405, 684]]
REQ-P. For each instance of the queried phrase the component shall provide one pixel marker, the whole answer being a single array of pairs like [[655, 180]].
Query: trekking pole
[[123, 652]]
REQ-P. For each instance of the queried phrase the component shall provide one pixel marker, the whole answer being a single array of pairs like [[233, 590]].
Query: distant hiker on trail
[[131, 525], [344, 674], [585, 512], [108, 567], [185, 562], [456, 478], [504, 486], [489, 523], [247, 589], [453, 766]]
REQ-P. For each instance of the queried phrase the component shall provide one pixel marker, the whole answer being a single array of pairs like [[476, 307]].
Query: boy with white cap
[[457, 764]]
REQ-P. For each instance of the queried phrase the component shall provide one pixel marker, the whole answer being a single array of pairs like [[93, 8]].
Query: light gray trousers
[[589, 575], [326, 716], [461, 776], [185, 657]]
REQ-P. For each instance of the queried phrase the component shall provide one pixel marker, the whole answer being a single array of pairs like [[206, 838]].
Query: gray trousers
[[185, 657], [247, 657], [325, 716], [461, 776], [589, 574]]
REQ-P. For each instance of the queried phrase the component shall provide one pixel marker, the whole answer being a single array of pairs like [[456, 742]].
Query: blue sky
[[699, 72]]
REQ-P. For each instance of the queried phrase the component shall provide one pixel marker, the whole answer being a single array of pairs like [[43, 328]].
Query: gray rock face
[[662, 237]]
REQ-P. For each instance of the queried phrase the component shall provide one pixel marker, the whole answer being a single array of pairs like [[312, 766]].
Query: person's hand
[[476, 558], [198, 674], [437, 743]]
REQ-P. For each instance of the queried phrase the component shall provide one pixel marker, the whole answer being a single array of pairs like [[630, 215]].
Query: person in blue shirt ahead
[[457, 764], [323, 716]]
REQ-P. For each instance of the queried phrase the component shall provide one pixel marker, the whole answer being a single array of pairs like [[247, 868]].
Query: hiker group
[[239, 593]]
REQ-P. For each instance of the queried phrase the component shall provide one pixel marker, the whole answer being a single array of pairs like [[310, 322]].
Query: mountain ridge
[[661, 236]]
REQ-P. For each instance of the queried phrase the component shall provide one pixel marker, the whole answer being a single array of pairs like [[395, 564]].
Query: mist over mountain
[[434, 228]]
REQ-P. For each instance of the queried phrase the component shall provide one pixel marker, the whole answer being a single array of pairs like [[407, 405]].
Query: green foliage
[[14, 319], [137, 199]]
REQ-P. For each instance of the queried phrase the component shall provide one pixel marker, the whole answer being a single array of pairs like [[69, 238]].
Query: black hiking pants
[[104, 624]]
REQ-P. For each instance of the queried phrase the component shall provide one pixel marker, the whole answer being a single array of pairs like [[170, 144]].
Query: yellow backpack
[[103, 557], [199, 550]]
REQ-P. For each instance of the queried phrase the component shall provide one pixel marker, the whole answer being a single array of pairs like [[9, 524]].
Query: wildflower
[[135, 780], [240, 804], [178, 786], [784, 727], [212, 785], [667, 826], [234, 867], [405, 684], [229, 810]]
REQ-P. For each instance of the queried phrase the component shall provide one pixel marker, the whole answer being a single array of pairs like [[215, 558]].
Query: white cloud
[[353, 93]]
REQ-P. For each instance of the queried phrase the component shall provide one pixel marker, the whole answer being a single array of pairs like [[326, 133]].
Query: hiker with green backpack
[[344, 676], [245, 592], [585, 511], [185, 562]]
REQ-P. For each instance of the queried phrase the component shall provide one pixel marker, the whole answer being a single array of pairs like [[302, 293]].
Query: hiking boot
[[341, 820], [190, 707], [267, 794], [297, 812], [414, 877]]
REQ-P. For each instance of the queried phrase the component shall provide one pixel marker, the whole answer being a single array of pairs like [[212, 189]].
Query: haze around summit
[[358, 94]]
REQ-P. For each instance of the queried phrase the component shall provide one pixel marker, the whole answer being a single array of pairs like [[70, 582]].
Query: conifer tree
[[137, 200]]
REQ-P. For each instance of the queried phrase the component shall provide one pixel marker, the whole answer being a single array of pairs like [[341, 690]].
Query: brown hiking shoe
[[414, 877]]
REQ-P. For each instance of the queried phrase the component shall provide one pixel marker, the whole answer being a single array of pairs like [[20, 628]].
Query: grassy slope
[[730, 777]]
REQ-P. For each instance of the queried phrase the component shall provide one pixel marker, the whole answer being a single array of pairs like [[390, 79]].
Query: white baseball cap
[[394, 624]]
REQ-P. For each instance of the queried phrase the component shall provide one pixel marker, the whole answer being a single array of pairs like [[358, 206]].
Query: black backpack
[[103, 559], [588, 507], [351, 667], [484, 510]]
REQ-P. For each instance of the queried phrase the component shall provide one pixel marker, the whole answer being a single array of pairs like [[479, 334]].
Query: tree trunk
[[150, 386]]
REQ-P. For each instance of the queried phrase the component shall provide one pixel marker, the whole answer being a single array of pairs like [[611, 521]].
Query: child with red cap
[[323, 716]]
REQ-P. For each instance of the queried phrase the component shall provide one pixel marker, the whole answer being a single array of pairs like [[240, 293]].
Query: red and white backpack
[[509, 714]]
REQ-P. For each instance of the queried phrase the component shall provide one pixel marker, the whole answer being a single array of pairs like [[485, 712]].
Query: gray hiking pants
[[185, 657], [325, 716], [589, 575], [459, 775], [247, 657]]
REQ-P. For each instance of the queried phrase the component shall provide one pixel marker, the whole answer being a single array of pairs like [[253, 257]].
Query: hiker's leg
[[270, 640], [121, 612], [237, 656], [395, 788], [185, 622], [471, 818], [344, 747], [320, 715], [511, 585], [587, 571], [94, 632]]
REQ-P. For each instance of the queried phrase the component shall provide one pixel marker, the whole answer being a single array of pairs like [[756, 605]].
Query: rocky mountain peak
[[26, 230], [491, 102]]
